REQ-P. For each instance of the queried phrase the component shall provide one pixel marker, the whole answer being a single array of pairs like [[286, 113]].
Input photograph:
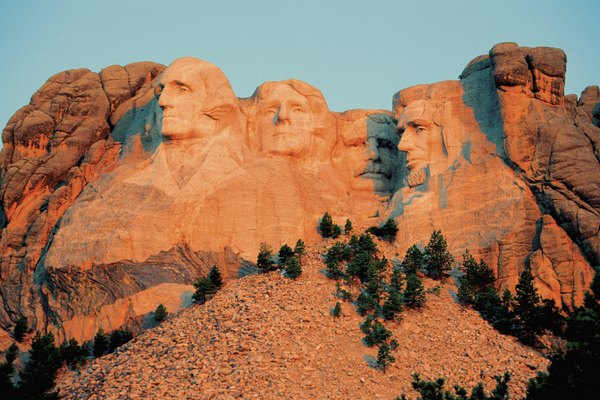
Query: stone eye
[[421, 129]]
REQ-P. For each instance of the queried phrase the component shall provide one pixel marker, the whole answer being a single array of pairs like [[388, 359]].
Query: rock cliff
[[115, 184]]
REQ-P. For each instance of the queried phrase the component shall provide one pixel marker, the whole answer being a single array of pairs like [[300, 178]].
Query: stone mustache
[[120, 188]]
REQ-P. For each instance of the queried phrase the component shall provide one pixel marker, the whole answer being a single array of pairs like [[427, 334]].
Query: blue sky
[[358, 53]]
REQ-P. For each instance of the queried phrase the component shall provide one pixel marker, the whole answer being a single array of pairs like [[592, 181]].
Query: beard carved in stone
[[431, 135]]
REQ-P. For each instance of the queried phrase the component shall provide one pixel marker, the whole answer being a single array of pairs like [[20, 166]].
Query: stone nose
[[406, 141]]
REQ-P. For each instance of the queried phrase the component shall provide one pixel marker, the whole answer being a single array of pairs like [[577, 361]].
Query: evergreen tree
[[414, 295], [204, 288], [215, 277], [326, 226], [360, 265], [37, 378], [527, 310], [118, 338], [20, 329], [348, 227], [392, 306], [376, 334], [397, 279], [477, 277], [337, 231], [100, 343], [7, 370], [365, 303], [384, 354], [337, 310], [264, 261], [293, 269], [72, 354], [160, 314], [300, 249], [437, 258], [413, 261], [573, 374], [366, 244], [387, 231], [285, 252]]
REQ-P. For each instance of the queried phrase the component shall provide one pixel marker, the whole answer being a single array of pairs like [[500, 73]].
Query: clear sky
[[358, 53]]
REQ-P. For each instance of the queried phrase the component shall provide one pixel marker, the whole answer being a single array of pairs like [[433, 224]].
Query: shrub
[[160, 314]]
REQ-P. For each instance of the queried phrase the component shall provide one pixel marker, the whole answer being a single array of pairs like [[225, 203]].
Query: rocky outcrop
[[269, 337], [118, 183], [52, 148]]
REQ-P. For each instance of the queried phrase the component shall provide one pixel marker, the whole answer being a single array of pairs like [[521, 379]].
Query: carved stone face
[[381, 148], [285, 121], [420, 137]]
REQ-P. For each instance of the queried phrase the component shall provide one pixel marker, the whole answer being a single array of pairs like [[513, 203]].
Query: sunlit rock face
[[120, 188]]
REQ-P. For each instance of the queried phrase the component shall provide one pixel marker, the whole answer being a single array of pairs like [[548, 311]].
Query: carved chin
[[416, 178]]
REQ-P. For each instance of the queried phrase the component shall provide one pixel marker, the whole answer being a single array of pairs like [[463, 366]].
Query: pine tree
[[293, 269], [160, 314], [477, 277], [72, 353], [527, 310], [413, 261], [348, 227], [215, 277], [337, 310], [573, 374], [414, 295], [384, 354], [264, 261], [285, 252], [118, 338], [7, 370], [100, 343], [300, 249], [392, 306], [20, 329], [397, 279], [37, 378], [387, 231], [204, 288], [326, 226], [377, 333], [438, 259]]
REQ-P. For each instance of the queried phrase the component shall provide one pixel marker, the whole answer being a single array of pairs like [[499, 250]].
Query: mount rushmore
[[120, 188]]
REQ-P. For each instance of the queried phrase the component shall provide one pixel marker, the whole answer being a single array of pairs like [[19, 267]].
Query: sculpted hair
[[322, 121]]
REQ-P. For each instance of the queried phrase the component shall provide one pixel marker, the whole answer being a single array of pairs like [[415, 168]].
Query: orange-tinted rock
[[51, 149], [191, 176]]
